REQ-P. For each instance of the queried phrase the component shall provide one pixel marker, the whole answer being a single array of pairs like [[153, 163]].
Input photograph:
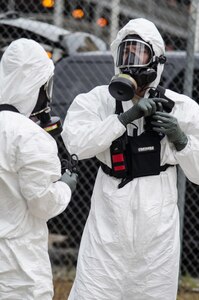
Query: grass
[[62, 288], [189, 288]]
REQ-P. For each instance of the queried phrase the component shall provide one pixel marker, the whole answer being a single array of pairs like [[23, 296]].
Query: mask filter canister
[[122, 87], [51, 124]]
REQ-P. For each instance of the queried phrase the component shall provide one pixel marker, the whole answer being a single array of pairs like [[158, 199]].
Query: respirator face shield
[[44, 98], [41, 113], [48, 88], [134, 53], [138, 68]]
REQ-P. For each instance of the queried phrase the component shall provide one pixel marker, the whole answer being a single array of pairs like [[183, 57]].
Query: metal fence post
[[187, 90], [58, 13], [115, 10], [11, 5]]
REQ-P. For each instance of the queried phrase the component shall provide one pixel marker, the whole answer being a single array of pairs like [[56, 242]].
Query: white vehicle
[[57, 41]]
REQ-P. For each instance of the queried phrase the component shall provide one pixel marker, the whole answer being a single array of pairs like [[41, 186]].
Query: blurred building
[[103, 18]]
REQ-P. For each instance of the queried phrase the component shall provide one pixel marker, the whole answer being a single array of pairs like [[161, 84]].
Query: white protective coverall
[[29, 172], [130, 244]]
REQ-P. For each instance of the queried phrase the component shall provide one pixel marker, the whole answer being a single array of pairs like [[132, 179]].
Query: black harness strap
[[159, 92], [109, 171], [119, 107], [8, 107]]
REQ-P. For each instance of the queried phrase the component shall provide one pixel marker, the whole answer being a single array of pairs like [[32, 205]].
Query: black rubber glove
[[70, 179], [143, 108], [167, 124]]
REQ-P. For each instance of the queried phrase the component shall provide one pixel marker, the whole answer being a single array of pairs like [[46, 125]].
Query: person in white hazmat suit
[[31, 192], [130, 244]]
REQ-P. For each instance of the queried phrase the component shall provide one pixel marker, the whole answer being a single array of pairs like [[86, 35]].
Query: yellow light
[[78, 13], [102, 22], [49, 54], [48, 3]]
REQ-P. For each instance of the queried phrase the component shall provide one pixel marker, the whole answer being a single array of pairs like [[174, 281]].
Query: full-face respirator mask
[[41, 113], [52, 124], [138, 66]]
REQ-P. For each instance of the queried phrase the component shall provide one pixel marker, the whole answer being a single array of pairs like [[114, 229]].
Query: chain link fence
[[71, 32]]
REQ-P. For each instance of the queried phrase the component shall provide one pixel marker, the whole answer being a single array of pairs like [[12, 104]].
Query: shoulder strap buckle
[[159, 92]]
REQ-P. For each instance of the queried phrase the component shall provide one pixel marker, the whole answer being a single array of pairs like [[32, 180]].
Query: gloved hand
[[70, 179], [144, 107], [167, 124]]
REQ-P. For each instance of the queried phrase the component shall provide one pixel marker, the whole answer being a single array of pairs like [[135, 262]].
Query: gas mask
[[52, 125], [138, 66], [41, 112]]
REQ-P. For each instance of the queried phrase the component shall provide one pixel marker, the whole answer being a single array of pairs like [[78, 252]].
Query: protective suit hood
[[149, 33], [24, 68]]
